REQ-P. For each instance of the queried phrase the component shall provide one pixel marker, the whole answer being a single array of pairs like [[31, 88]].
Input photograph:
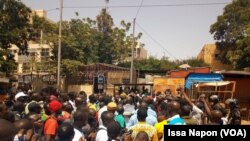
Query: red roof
[[185, 72]]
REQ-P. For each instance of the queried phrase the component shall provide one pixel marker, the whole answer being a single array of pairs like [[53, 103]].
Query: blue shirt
[[151, 118], [176, 120]]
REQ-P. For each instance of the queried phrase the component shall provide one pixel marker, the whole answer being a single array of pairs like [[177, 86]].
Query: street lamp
[[59, 47]]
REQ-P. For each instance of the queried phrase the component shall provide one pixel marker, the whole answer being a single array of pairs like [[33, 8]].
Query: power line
[[154, 40], [53, 9], [149, 6], [139, 9]]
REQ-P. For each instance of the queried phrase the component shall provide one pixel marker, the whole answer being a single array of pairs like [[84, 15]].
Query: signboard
[[100, 79], [50, 79], [100, 86]]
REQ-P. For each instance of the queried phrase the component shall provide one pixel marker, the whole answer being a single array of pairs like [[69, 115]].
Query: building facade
[[36, 62], [140, 53], [209, 54], [40, 13]]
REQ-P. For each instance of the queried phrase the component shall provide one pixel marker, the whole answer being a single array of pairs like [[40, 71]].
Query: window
[[26, 67], [32, 55], [45, 55]]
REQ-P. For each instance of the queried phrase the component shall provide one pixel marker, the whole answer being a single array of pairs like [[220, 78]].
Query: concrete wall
[[77, 88]]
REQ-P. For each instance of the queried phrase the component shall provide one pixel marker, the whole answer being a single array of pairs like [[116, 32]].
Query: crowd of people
[[52, 116]]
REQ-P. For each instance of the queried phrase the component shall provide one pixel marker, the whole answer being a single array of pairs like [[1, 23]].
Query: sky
[[174, 31]]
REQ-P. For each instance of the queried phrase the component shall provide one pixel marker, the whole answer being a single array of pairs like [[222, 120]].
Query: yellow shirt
[[92, 106], [143, 126], [160, 128]]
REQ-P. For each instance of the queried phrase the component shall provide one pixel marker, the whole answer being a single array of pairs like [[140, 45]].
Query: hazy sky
[[181, 30]]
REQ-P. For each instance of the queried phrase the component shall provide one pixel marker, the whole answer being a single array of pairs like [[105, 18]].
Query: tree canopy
[[14, 30], [232, 34], [88, 41], [152, 63]]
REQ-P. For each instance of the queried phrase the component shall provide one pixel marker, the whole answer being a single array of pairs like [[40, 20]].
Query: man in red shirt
[[51, 124]]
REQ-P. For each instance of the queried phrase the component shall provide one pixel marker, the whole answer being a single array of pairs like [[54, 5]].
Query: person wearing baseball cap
[[112, 106], [21, 97], [51, 123]]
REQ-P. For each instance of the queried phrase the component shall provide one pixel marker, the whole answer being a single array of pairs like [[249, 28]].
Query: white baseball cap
[[213, 97], [20, 94]]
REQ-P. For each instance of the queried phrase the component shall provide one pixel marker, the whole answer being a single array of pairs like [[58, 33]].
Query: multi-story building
[[141, 53], [37, 53], [37, 60], [40, 13], [209, 54]]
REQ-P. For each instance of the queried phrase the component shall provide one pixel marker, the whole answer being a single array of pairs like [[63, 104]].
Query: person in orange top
[[51, 123]]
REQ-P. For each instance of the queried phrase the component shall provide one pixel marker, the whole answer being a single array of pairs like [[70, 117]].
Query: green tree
[[48, 29], [231, 32], [70, 67], [14, 30], [107, 51], [152, 63], [88, 41], [114, 43], [193, 62]]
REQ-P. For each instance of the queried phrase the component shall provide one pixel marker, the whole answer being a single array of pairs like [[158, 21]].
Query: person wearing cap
[[129, 108], [21, 97], [123, 95], [51, 123], [112, 106]]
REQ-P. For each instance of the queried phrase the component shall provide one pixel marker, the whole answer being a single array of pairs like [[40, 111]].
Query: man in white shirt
[[106, 100], [102, 134], [196, 111], [79, 121]]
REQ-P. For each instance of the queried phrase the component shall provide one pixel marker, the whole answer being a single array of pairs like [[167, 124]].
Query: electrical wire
[[149, 6], [139, 9], [154, 40]]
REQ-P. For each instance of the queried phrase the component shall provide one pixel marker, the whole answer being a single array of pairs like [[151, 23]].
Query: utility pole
[[59, 47], [132, 54], [41, 40]]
